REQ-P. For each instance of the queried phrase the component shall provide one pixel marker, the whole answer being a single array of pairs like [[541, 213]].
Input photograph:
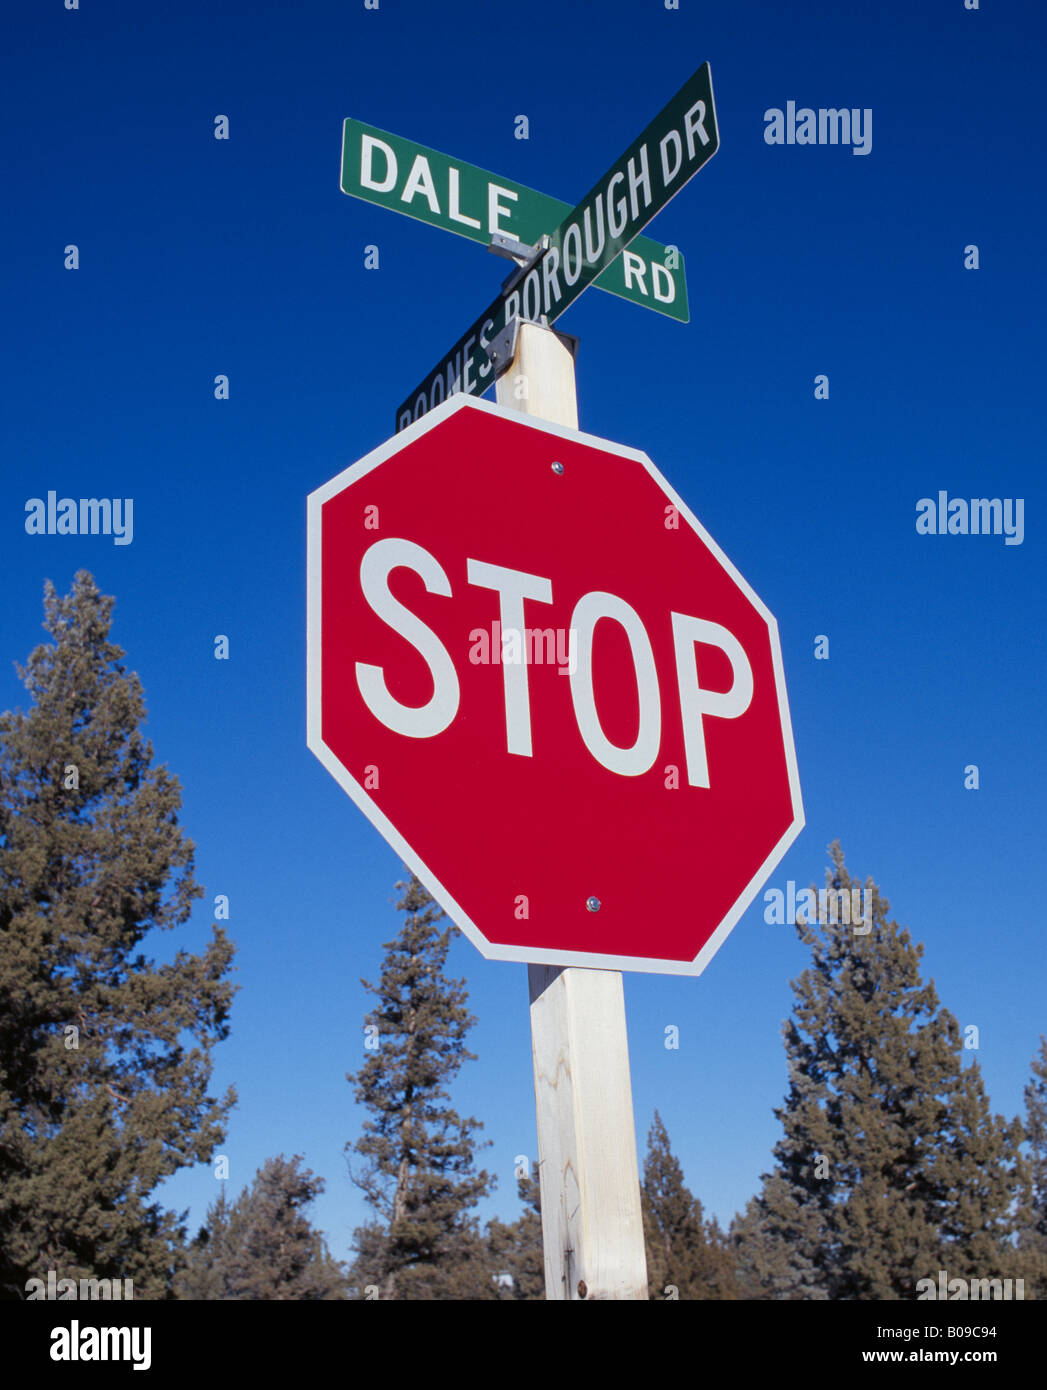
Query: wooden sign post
[[592, 1225]]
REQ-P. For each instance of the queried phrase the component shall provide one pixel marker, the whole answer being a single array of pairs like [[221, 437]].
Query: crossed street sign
[[680, 139], [406, 177]]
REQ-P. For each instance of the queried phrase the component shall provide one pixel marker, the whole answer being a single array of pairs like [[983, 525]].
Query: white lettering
[[693, 124], [453, 210], [639, 758], [420, 180], [696, 703], [577, 235], [616, 228], [512, 587], [638, 181], [495, 209], [659, 272], [550, 264], [531, 302], [423, 721], [485, 365], [669, 174], [634, 265], [368, 145]]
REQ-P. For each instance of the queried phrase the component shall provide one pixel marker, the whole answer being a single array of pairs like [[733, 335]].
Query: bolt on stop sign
[[545, 684]]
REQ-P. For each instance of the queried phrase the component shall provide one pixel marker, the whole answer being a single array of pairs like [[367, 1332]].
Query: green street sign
[[432, 187], [676, 144]]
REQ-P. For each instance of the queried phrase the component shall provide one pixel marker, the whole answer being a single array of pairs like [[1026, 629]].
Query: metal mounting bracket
[[502, 244], [502, 347], [513, 250]]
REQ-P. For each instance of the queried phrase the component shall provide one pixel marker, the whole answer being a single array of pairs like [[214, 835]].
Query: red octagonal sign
[[542, 680]]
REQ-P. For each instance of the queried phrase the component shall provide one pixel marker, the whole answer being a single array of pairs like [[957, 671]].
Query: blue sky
[[242, 257]]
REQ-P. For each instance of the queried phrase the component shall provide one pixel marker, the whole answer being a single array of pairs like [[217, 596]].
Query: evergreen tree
[[105, 1056], [684, 1251], [420, 1172], [1036, 1134], [263, 1246], [516, 1248], [891, 1166], [765, 1265], [202, 1275], [1032, 1214]]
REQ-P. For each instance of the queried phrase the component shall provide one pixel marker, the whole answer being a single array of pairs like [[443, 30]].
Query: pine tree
[[1036, 1135], [420, 1172], [891, 1166], [516, 1247], [1032, 1209], [684, 1251], [765, 1265], [262, 1247], [105, 1056], [202, 1275]]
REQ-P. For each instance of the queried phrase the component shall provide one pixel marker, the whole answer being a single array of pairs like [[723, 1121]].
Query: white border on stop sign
[[314, 736]]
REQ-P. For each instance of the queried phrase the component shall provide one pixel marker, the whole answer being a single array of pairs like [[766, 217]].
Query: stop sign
[[545, 684]]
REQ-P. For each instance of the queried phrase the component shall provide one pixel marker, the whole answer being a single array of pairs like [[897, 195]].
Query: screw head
[[583, 1291], [593, 904], [558, 469]]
